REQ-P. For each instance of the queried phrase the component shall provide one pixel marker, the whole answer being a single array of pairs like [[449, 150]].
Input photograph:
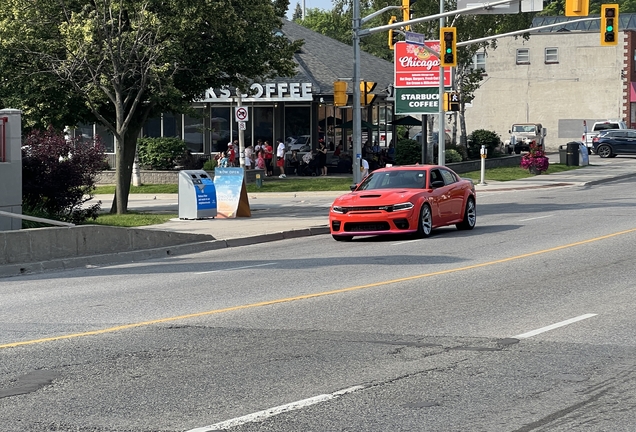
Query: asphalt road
[[524, 324]]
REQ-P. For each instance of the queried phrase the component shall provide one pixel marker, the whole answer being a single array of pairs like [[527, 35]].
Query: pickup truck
[[588, 138]]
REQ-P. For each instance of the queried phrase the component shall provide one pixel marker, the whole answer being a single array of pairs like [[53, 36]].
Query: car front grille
[[386, 208], [366, 226]]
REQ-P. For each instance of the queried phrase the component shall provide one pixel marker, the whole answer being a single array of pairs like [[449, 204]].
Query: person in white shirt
[[249, 157], [364, 168], [280, 158]]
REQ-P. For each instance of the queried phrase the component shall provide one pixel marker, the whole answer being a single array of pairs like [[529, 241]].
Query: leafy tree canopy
[[121, 61]]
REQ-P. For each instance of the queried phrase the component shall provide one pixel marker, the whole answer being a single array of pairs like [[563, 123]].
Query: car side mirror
[[353, 187], [437, 183]]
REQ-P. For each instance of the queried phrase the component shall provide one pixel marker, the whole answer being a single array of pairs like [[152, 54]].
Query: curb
[[10, 270]]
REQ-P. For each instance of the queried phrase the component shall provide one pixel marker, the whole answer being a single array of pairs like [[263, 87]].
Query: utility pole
[[241, 132]]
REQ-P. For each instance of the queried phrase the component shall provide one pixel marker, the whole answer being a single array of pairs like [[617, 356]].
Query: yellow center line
[[310, 296]]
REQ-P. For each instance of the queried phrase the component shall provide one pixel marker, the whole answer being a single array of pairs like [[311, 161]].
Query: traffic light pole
[[357, 124], [441, 127]]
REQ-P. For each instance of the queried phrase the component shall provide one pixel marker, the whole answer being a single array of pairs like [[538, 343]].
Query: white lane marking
[[402, 242], [265, 414], [553, 326], [236, 268], [538, 217]]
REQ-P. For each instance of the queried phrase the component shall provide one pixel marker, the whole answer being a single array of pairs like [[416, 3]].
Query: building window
[[107, 138], [479, 61], [551, 55], [523, 56], [193, 128], [171, 125]]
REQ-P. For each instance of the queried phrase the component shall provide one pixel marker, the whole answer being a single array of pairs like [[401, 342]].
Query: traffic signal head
[[366, 97], [577, 7], [448, 52], [392, 35], [451, 101], [340, 93], [609, 24], [406, 12]]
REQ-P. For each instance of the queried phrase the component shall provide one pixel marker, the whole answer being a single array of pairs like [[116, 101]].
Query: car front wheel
[[470, 216], [604, 151], [425, 224]]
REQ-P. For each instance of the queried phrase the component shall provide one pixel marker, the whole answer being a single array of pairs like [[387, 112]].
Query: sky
[[309, 4]]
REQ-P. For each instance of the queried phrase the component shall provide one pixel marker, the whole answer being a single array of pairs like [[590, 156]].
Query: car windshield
[[302, 140], [604, 126], [403, 179]]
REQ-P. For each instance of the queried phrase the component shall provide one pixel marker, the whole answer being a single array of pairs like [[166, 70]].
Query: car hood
[[376, 197]]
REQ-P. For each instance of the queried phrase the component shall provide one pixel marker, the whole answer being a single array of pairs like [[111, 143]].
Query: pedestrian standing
[[269, 154], [321, 158], [224, 161], [249, 156], [260, 161], [280, 157], [364, 168], [232, 153]]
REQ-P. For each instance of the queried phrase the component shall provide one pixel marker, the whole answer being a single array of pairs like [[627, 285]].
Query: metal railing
[[36, 219]]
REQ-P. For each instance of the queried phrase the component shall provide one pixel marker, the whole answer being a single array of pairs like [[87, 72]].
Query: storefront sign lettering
[[269, 92]]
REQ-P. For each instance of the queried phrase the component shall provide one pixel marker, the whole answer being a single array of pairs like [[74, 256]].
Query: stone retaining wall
[[167, 177], [172, 177], [43, 244]]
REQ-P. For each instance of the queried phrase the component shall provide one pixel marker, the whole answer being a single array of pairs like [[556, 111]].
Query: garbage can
[[584, 156], [562, 154], [572, 154], [197, 195]]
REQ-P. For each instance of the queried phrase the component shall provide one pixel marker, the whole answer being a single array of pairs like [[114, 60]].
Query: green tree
[[128, 60], [298, 13]]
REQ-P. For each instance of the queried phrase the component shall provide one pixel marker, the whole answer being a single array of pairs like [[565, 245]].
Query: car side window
[[631, 135], [448, 176], [435, 176], [619, 134]]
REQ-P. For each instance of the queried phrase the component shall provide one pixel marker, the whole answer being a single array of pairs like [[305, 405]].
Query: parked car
[[289, 141], [406, 199], [610, 143], [302, 143]]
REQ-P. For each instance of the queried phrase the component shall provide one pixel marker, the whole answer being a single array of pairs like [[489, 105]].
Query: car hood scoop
[[386, 197]]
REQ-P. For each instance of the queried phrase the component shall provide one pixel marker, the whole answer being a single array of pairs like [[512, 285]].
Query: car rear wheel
[[342, 238], [470, 216], [604, 151], [425, 224]]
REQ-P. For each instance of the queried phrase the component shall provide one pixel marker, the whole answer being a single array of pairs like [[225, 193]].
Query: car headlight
[[403, 206], [337, 209]]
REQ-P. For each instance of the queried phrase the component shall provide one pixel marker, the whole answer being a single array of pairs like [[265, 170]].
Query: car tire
[[470, 216], [342, 238], [604, 151], [517, 151], [425, 222]]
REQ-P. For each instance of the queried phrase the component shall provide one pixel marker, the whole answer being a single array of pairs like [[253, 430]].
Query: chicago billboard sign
[[415, 66]]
